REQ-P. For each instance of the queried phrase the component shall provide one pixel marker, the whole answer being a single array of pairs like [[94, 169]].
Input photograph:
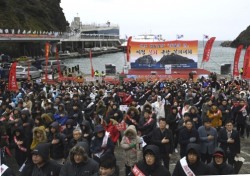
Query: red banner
[[12, 86], [236, 61], [207, 49], [46, 60], [58, 64], [128, 48], [246, 65], [91, 65]]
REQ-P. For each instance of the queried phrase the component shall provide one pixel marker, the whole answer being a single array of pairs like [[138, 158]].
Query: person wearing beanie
[[79, 163], [108, 166], [41, 163], [191, 163], [150, 164], [219, 165]]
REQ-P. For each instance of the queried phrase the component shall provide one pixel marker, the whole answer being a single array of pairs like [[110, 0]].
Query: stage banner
[[155, 55], [12, 86], [207, 49], [246, 64], [236, 61]]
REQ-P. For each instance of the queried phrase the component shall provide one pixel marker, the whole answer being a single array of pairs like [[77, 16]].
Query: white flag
[[18, 31], [6, 31], [1, 31]]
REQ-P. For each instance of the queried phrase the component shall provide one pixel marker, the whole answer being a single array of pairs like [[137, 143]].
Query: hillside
[[243, 38], [35, 15]]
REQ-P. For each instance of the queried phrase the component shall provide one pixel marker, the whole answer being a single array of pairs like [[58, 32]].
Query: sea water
[[219, 56]]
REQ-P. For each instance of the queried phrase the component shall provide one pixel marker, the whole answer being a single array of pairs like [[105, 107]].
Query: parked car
[[53, 66], [23, 71]]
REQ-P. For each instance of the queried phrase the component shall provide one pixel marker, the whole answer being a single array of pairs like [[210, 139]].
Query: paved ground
[[245, 152]]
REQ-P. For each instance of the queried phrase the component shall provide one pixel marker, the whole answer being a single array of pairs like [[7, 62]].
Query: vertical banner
[[128, 49], [91, 65], [58, 64], [236, 61], [246, 65], [46, 60], [207, 49], [12, 86], [28, 71]]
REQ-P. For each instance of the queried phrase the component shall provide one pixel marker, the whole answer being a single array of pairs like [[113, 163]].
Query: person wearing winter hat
[[219, 166], [151, 163], [41, 163]]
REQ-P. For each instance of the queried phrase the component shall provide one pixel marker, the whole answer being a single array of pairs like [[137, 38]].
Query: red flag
[[58, 64], [236, 61], [246, 64], [46, 60], [12, 86], [128, 48], [207, 49], [92, 68]]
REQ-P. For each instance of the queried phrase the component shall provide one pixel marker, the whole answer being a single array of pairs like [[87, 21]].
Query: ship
[[106, 29]]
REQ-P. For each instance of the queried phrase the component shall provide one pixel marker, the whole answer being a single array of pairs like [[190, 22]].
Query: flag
[[12, 86], [128, 48], [205, 36], [207, 49], [236, 61], [246, 64], [1, 31], [6, 31], [46, 60], [91, 65], [179, 36]]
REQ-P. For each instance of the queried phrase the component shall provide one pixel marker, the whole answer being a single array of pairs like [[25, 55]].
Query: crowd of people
[[74, 128]]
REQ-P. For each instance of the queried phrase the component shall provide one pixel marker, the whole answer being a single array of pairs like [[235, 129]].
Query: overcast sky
[[223, 19]]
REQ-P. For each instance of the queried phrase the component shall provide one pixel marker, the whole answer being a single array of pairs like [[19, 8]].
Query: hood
[[46, 118], [55, 125], [70, 122], [219, 151], [84, 145], [154, 150], [132, 129], [25, 112], [98, 128], [42, 150], [79, 150], [195, 147], [132, 108], [41, 130], [147, 106]]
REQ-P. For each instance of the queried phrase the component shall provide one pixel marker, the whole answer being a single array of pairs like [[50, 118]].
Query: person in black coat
[[187, 135], [79, 163], [151, 163], [163, 138], [219, 166], [229, 140], [41, 164], [192, 163]]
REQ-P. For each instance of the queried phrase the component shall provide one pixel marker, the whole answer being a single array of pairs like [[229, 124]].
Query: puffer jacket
[[132, 155]]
